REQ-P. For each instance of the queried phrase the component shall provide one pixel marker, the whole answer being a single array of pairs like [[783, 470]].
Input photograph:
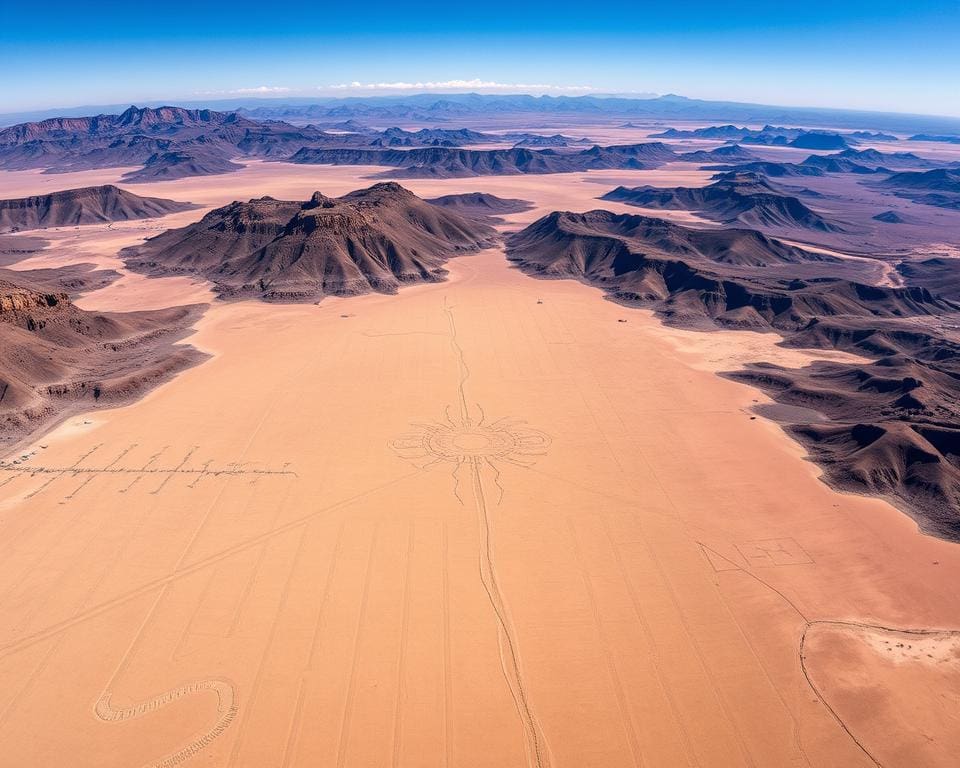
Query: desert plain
[[492, 521]]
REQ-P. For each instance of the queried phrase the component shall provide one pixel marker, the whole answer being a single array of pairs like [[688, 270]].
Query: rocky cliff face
[[14, 300], [57, 358]]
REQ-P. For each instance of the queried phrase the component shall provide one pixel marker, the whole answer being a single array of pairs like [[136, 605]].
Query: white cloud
[[459, 85], [260, 90], [356, 86], [263, 89]]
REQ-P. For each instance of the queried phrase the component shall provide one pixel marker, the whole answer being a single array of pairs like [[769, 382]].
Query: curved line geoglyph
[[226, 712]]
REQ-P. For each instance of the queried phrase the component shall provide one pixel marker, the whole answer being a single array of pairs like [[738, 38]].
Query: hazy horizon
[[264, 100]]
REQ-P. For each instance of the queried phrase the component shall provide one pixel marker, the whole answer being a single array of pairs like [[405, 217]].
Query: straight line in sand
[[179, 573]]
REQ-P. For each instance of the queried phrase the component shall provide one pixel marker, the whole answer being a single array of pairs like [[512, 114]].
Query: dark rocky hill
[[735, 199], [374, 239], [58, 358], [87, 205]]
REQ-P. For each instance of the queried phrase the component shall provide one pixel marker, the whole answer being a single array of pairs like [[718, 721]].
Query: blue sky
[[869, 54]]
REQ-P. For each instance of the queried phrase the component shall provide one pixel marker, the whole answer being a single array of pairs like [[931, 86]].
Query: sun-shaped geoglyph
[[462, 441]]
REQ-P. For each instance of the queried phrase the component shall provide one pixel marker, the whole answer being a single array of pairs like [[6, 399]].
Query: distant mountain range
[[447, 162], [729, 133], [861, 161], [769, 135], [440, 107], [943, 139], [171, 142], [168, 142]]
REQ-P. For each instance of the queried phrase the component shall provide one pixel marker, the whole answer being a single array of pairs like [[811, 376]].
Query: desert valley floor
[[493, 521]]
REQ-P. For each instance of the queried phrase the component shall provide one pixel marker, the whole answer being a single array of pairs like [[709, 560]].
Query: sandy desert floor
[[478, 523]]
